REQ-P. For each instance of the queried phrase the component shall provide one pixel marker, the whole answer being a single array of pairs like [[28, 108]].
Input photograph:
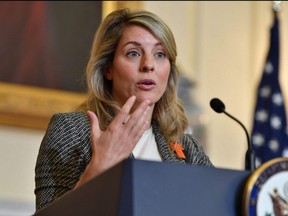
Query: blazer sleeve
[[63, 155], [194, 152]]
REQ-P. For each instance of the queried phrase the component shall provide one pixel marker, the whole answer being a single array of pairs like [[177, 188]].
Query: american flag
[[269, 133]]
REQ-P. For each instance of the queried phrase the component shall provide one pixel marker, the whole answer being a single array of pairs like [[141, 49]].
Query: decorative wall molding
[[33, 107]]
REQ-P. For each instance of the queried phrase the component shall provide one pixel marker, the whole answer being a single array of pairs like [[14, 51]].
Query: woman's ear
[[108, 73]]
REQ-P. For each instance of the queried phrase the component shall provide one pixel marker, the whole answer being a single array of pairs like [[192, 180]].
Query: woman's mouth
[[146, 84]]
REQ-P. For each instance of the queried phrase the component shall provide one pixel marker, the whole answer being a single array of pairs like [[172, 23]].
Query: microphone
[[218, 106]]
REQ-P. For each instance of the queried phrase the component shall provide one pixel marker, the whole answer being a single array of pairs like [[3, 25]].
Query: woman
[[132, 109]]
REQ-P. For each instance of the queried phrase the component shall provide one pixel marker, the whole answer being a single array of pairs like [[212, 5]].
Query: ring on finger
[[126, 120]]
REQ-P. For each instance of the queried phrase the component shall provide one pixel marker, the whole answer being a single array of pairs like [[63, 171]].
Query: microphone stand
[[250, 154]]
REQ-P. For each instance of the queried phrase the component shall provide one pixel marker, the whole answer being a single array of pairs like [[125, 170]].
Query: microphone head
[[217, 105]]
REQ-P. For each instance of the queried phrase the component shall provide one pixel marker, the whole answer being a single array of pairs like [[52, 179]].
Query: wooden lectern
[[147, 188]]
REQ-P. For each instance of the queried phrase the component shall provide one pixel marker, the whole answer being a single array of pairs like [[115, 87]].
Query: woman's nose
[[147, 64]]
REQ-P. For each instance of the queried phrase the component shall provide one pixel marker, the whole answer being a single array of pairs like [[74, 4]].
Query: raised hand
[[117, 142]]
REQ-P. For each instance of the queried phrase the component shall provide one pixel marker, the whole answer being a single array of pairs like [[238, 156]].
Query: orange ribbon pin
[[178, 149]]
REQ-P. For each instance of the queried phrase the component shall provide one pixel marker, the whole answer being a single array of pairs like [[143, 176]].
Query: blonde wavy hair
[[168, 111]]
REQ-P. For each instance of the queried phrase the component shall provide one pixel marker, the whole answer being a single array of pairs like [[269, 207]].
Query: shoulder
[[194, 151], [67, 135], [72, 117], [189, 142], [63, 155], [69, 120], [189, 139], [70, 126]]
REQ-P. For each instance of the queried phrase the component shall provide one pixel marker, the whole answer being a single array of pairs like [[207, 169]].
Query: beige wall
[[225, 56], [223, 69], [18, 152], [221, 45]]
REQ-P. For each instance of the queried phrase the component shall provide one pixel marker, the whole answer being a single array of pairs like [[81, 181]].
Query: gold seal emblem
[[266, 190]]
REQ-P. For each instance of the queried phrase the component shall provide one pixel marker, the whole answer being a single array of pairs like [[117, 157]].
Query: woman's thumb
[[94, 123]]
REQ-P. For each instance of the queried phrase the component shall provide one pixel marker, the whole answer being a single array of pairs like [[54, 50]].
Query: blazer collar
[[163, 147]]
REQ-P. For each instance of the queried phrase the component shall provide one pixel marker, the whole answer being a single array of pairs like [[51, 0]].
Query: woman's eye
[[133, 54], [160, 55]]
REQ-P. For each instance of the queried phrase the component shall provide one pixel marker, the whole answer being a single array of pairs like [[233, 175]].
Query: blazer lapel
[[163, 147]]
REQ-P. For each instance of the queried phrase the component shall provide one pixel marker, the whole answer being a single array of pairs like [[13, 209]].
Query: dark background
[[47, 43]]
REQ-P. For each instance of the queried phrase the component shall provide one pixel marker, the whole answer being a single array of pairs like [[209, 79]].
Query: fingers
[[93, 120], [139, 120], [94, 123], [124, 114], [118, 140], [129, 103], [124, 117], [134, 123]]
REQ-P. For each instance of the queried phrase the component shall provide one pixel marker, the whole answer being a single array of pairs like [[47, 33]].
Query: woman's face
[[140, 67]]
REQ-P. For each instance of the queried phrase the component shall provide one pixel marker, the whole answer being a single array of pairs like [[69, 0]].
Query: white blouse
[[146, 148]]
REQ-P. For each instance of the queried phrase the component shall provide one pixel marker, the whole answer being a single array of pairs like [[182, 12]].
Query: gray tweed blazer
[[66, 150]]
